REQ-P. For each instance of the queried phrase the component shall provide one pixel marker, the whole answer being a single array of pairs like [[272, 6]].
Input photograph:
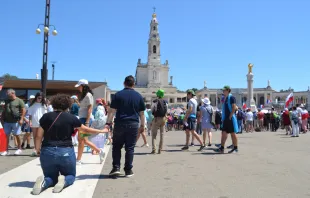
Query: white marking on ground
[[18, 182]]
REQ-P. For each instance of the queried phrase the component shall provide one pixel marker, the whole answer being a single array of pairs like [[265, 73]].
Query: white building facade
[[154, 74]]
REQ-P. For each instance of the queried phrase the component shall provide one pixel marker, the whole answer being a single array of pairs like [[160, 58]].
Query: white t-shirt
[[50, 108], [36, 111], [87, 100], [249, 116], [299, 111]]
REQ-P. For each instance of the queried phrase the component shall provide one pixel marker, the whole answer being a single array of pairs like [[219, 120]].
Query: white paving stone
[[18, 182]]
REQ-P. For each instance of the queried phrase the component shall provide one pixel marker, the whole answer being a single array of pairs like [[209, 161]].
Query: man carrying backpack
[[240, 117], [159, 109]]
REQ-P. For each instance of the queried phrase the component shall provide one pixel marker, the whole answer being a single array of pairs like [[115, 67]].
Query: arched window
[[154, 49], [154, 28], [262, 100], [154, 75]]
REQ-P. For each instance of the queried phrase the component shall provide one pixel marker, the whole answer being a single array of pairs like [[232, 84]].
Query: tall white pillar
[[250, 102], [216, 100], [308, 100]]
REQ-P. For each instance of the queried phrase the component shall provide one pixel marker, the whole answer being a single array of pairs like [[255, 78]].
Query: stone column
[[250, 102], [256, 95], [216, 99], [308, 100], [265, 98]]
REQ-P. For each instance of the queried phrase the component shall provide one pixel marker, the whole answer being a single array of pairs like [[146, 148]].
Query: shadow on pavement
[[175, 150], [142, 153], [213, 153], [21, 155], [105, 176], [23, 184], [175, 145]]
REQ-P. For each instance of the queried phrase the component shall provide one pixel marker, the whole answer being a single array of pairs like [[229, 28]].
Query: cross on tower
[[154, 8]]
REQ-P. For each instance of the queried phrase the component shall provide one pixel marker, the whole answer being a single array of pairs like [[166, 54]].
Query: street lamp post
[[46, 26]]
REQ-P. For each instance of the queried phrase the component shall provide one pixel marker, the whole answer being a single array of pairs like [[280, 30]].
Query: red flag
[[289, 99], [3, 142], [244, 106]]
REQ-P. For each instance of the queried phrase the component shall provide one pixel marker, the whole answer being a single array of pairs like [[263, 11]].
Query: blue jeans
[[55, 161], [14, 128], [124, 134], [83, 120], [239, 126]]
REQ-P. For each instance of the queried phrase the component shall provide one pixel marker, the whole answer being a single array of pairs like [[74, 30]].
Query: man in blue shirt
[[129, 107], [229, 121]]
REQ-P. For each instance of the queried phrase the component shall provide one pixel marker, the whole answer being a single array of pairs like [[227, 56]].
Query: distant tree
[[195, 89], [9, 77]]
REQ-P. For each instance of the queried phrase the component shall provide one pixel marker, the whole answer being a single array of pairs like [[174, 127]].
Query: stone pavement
[[10, 162], [268, 165]]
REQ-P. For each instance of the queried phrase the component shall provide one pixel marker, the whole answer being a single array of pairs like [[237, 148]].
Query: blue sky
[[210, 40]]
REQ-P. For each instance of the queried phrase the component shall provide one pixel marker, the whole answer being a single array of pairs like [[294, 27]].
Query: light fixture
[[55, 32], [38, 31], [46, 29]]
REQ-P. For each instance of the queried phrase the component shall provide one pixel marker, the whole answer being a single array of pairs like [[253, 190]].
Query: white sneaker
[[5, 153], [147, 145], [101, 155], [38, 186], [78, 162], [18, 152], [60, 185]]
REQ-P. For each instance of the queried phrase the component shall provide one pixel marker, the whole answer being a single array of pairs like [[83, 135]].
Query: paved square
[[268, 165]]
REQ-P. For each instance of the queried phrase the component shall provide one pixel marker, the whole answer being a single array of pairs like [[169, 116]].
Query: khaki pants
[[158, 123]]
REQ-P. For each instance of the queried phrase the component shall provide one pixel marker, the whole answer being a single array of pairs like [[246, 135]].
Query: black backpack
[[161, 109]]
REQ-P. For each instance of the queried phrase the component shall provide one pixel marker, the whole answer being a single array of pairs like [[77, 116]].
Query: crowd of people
[[294, 120], [56, 126], [61, 122]]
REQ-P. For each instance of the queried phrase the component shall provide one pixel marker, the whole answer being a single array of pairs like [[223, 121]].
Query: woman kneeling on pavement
[[57, 158]]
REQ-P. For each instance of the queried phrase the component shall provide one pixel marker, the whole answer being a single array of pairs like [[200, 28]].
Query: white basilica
[[154, 75]]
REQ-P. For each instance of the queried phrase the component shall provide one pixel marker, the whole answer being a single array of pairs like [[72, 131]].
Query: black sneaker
[[23, 145], [115, 172], [233, 151], [201, 148], [230, 147], [153, 152], [129, 173], [209, 145], [28, 146], [185, 148], [219, 150]]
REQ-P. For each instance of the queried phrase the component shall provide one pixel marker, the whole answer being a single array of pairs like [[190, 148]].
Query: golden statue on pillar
[[250, 66]]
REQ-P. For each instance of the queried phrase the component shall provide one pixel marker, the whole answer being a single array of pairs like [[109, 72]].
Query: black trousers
[[124, 134]]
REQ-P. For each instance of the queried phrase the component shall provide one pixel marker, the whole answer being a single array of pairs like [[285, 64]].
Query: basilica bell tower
[[154, 42]]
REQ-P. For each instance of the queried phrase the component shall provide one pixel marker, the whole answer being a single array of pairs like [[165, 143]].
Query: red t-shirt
[[286, 118], [260, 115]]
